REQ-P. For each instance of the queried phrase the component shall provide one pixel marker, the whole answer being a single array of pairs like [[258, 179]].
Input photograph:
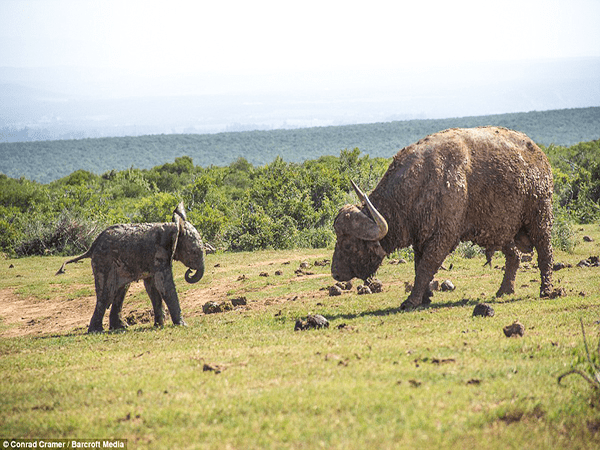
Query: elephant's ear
[[179, 212], [180, 224]]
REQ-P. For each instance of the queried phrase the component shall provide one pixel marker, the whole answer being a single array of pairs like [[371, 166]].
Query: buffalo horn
[[377, 217]]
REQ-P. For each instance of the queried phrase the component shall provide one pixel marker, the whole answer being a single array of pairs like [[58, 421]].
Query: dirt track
[[25, 316]]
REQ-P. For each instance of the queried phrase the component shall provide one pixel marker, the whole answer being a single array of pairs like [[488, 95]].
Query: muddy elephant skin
[[125, 253]]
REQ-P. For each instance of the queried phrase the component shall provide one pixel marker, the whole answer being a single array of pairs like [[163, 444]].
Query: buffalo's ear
[[179, 212]]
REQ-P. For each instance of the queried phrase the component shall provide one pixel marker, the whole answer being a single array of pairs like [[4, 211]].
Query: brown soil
[[24, 316]]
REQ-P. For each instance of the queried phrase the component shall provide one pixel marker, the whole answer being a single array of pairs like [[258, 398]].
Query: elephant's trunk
[[195, 277]]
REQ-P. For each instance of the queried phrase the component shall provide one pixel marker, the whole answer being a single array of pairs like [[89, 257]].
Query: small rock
[[335, 290], [515, 329], [279, 272], [592, 261], [304, 265], [134, 317], [415, 383], [239, 301], [212, 368], [558, 292], [263, 274], [375, 286], [344, 285], [317, 321], [322, 263], [12, 266], [434, 285], [447, 285], [363, 290], [395, 262], [312, 321], [587, 239], [211, 308], [559, 266], [483, 310]]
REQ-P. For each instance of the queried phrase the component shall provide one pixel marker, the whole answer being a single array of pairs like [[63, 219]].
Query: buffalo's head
[[358, 252]]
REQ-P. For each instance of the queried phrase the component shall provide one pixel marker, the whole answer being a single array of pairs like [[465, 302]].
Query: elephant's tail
[[87, 254]]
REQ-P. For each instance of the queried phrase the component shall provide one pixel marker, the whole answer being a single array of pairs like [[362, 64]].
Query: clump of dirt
[[592, 261], [516, 329], [313, 321], [335, 290], [558, 292], [136, 317], [447, 286], [375, 285], [483, 310]]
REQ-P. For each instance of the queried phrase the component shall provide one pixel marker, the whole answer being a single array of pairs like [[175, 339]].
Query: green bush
[[279, 205]]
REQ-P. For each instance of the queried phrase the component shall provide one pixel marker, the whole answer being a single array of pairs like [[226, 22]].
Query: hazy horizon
[[130, 66]]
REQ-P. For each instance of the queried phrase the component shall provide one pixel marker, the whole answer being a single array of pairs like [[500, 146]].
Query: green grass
[[433, 378]]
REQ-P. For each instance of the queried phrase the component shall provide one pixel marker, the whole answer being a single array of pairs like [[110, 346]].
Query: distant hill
[[46, 161]]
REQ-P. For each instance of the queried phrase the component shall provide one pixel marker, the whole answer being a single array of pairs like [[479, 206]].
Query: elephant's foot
[[95, 330], [180, 323], [120, 325]]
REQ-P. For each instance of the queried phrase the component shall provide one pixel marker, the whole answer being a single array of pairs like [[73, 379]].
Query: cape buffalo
[[488, 185]]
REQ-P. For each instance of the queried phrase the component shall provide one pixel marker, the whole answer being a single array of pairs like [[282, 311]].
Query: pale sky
[[173, 36]]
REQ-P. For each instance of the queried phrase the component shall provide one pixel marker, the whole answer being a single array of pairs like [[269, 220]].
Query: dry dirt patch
[[24, 316]]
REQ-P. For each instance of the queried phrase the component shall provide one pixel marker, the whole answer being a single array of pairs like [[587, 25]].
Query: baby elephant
[[130, 252]]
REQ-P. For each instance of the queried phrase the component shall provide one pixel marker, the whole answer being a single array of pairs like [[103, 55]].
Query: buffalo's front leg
[[157, 303], [427, 263], [166, 287]]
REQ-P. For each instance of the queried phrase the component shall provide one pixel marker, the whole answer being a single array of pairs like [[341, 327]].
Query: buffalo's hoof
[[504, 291], [408, 306]]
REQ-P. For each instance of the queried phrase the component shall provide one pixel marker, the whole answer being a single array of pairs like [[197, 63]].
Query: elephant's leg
[[116, 322], [102, 302], [163, 280], [510, 270], [157, 303]]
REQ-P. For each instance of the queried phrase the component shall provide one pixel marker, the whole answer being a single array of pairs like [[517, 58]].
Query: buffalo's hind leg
[[157, 303], [543, 246], [510, 270]]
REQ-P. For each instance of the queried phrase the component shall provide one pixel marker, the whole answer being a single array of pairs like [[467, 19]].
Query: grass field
[[242, 379]]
